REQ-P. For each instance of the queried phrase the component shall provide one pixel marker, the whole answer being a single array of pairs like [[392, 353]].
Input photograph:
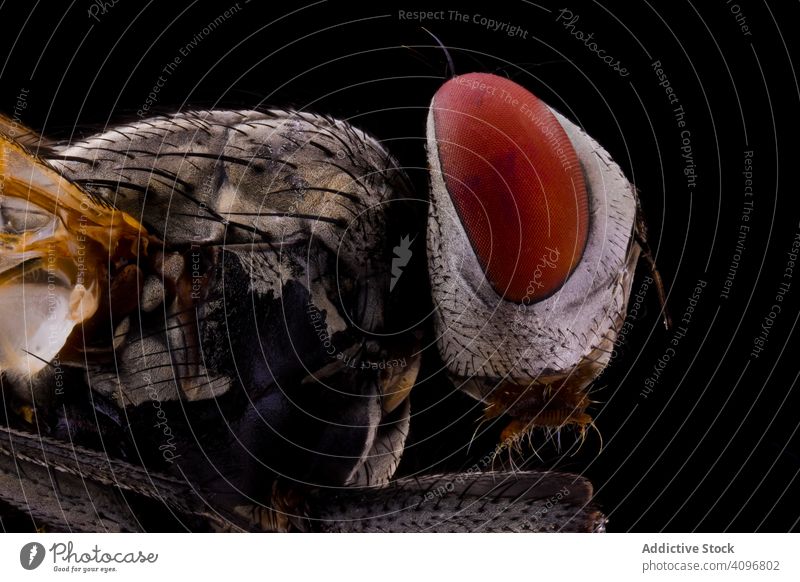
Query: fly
[[231, 313]]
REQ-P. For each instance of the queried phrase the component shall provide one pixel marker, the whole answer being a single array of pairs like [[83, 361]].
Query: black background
[[715, 446]]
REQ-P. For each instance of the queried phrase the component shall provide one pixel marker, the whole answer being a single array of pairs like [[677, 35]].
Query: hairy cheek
[[515, 181]]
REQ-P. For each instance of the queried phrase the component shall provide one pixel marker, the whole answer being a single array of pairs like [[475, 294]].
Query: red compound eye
[[515, 181]]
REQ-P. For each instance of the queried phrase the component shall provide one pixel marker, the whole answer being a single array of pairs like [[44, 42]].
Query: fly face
[[531, 253]]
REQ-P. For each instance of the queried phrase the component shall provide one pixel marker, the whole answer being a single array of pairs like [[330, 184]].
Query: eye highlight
[[515, 181]]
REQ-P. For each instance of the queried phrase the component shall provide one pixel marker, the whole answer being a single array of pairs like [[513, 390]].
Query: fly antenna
[[451, 69]]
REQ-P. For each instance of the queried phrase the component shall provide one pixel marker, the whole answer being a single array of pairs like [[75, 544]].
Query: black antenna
[[451, 68]]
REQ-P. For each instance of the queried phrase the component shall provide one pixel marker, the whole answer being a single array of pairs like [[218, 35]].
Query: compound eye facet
[[515, 181]]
